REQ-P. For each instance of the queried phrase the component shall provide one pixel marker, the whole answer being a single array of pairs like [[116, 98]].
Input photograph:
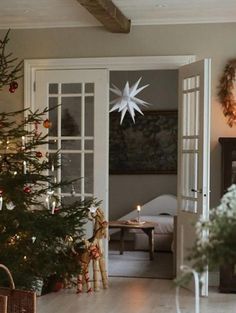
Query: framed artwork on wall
[[147, 147]]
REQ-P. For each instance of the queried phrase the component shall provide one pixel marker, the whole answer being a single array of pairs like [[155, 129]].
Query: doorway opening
[[31, 92], [143, 171]]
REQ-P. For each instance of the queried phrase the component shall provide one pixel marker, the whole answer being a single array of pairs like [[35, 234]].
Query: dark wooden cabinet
[[228, 177]]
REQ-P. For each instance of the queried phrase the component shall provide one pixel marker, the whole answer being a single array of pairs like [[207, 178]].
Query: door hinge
[[34, 86]]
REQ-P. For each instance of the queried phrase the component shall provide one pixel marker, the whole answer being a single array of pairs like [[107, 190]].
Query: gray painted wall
[[203, 40], [126, 191]]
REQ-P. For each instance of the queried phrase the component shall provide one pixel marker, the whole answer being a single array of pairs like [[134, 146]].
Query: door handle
[[197, 190]]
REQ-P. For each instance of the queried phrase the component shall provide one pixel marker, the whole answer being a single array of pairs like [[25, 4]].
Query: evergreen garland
[[226, 95]]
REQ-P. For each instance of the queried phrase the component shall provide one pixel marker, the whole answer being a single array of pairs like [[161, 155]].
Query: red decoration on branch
[[58, 286], [38, 154], [47, 123], [13, 86], [27, 189]]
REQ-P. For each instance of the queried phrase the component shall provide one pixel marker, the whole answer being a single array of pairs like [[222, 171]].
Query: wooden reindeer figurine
[[93, 251], [89, 252], [100, 224]]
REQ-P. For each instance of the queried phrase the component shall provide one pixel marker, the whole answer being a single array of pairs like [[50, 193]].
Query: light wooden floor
[[133, 295]]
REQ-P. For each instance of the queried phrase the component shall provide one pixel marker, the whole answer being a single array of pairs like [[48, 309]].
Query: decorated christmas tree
[[37, 225]]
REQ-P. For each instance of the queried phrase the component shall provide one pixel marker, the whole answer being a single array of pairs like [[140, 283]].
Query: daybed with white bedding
[[160, 211]]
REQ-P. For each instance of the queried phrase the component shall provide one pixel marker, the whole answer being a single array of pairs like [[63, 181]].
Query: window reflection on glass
[[71, 88], [53, 144], [88, 145], [53, 88], [69, 200], [71, 144], [89, 87], [89, 116], [71, 116], [88, 161], [53, 114], [71, 169]]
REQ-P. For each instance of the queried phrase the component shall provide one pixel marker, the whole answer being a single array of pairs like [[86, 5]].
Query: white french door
[[193, 155], [79, 129]]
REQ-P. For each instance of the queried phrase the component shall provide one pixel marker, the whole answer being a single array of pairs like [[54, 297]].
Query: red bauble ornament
[[27, 189], [47, 123], [11, 90], [58, 286], [13, 86], [38, 154]]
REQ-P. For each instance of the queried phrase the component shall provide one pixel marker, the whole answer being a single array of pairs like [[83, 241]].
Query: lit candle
[[53, 206], [24, 167], [47, 202], [23, 141], [138, 210]]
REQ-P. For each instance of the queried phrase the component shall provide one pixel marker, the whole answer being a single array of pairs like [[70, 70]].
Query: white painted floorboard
[[133, 295]]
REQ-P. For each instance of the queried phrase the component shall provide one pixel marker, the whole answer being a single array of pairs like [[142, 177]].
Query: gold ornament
[[47, 123]]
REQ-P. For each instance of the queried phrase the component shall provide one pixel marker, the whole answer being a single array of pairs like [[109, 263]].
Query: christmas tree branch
[[9, 72]]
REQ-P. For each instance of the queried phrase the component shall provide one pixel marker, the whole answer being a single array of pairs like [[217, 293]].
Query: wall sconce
[[227, 92]]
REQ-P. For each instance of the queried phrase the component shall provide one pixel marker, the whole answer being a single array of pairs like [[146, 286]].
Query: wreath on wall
[[226, 95]]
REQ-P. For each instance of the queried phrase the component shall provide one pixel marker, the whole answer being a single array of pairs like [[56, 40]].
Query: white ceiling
[[68, 13]]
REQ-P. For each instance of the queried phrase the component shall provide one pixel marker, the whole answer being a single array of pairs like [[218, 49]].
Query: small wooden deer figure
[[84, 257], [93, 251], [99, 264]]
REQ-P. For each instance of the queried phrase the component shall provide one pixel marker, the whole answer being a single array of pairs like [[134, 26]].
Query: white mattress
[[164, 223]]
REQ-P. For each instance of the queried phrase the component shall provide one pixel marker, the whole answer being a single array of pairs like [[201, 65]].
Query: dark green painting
[[147, 147]]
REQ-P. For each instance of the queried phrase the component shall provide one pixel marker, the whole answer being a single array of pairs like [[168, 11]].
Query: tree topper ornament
[[127, 101]]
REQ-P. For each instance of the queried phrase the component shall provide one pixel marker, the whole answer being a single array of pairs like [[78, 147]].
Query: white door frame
[[111, 64]]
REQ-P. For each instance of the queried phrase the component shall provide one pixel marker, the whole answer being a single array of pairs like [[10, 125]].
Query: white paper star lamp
[[126, 101]]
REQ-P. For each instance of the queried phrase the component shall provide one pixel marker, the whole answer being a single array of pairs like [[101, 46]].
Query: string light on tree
[[47, 200], [73, 193], [53, 206], [10, 206], [33, 239], [1, 200], [23, 141], [24, 167]]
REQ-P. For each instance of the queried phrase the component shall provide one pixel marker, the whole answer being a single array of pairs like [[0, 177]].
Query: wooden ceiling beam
[[108, 14]]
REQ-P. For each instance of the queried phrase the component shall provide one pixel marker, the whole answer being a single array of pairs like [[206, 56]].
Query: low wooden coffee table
[[147, 228]]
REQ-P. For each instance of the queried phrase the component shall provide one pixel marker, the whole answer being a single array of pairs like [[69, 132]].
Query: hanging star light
[[126, 101]]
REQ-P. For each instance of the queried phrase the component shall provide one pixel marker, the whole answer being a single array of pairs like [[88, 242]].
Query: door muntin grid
[[72, 133], [190, 143]]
